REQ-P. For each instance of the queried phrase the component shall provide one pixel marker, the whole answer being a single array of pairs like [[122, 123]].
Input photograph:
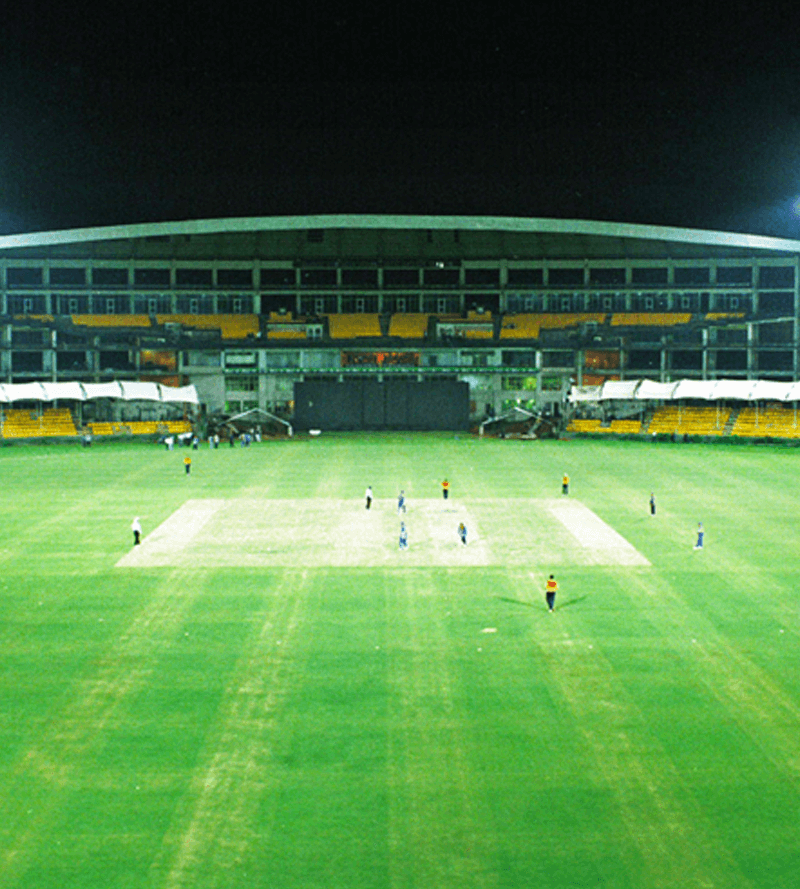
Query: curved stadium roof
[[545, 238]]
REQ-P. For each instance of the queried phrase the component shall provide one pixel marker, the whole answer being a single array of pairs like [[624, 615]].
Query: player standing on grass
[[445, 488], [368, 496], [700, 536], [403, 536], [187, 462], [550, 590], [565, 484], [401, 503], [136, 527], [462, 533], [652, 504]]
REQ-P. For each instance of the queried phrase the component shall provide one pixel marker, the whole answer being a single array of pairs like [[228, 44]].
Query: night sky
[[630, 113]]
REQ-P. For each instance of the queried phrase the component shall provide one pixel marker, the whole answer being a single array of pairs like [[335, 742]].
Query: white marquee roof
[[682, 390], [130, 391]]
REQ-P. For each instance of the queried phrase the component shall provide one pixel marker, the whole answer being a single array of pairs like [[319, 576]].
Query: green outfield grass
[[297, 721]]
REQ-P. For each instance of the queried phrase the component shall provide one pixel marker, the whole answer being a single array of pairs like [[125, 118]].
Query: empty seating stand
[[772, 421], [689, 420], [53, 423]]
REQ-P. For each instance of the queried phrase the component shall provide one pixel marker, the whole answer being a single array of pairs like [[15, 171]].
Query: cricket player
[[462, 533], [403, 536], [550, 590]]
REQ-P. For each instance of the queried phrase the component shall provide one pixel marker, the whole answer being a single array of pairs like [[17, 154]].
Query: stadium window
[[152, 306], [194, 306], [400, 304], [776, 303], [24, 277], [729, 274], [565, 277], [649, 303], [109, 277], [557, 359], [649, 276], [151, 277], [314, 331], [566, 303], [608, 303], [531, 277], [237, 305], [319, 306], [441, 305], [775, 360], [686, 302], [360, 306], [486, 277], [775, 276], [688, 275], [315, 235], [67, 277], [318, 277], [239, 278], [400, 278], [73, 306], [360, 278], [111, 306], [440, 277], [604, 277], [269, 278], [191, 278]]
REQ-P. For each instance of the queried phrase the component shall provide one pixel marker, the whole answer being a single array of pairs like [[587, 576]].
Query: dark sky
[[631, 113]]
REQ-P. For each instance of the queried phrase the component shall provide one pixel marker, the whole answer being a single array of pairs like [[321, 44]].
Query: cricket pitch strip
[[213, 533]]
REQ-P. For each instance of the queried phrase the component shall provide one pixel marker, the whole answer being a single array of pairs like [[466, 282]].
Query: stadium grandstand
[[378, 313]]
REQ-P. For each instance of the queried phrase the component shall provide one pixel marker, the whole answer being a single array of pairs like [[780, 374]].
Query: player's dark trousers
[[135, 537], [551, 600], [369, 502]]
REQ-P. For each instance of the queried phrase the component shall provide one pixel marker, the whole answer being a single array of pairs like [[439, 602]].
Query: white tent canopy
[[683, 390], [140, 392], [768, 390], [102, 390], [702, 389], [650, 391], [618, 389], [584, 393], [130, 391], [185, 394], [54, 391], [23, 392]]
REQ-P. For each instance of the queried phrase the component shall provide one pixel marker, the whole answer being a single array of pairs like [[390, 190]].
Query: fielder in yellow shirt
[[550, 590]]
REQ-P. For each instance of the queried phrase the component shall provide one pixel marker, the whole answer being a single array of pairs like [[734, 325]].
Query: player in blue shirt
[[403, 536], [700, 535], [462, 533], [401, 503]]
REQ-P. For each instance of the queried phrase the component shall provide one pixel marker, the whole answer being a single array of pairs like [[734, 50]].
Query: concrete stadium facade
[[520, 309]]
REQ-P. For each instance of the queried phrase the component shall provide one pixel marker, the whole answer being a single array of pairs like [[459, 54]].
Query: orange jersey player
[[550, 590]]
